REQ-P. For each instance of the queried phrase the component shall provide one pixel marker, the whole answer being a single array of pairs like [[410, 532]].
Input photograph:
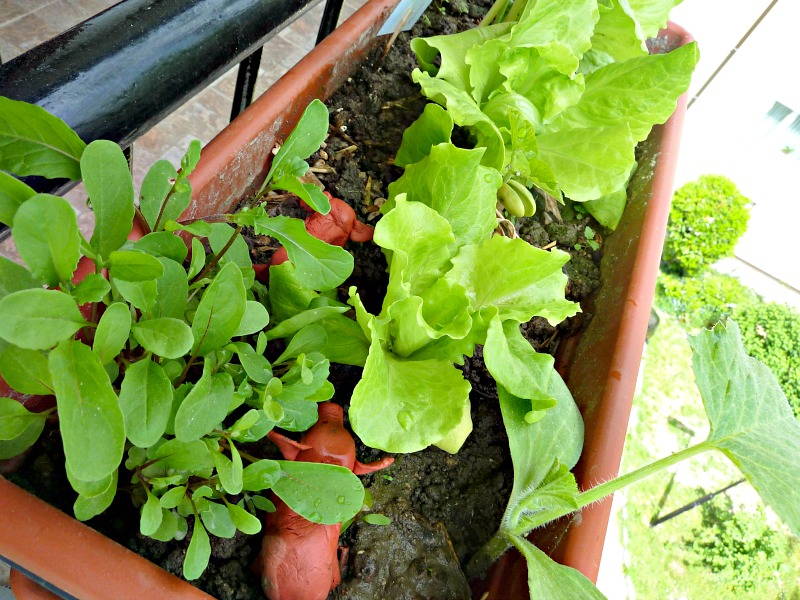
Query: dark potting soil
[[442, 507]]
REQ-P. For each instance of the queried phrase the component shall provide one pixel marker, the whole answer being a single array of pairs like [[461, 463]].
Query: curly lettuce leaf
[[417, 239], [641, 92], [535, 286], [453, 183], [406, 405]]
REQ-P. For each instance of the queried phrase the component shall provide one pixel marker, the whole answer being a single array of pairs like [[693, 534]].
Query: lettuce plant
[[751, 423], [159, 366], [560, 93], [452, 285]]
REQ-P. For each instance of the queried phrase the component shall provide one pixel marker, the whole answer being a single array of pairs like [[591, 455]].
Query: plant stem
[[504, 538], [599, 492], [213, 262], [490, 552], [515, 11], [497, 8]]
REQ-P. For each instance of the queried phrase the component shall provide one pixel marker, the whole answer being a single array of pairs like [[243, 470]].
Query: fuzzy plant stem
[[501, 541]]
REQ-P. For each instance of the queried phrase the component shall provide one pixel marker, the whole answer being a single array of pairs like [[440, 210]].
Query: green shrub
[[771, 333], [738, 546], [707, 218], [703, 300]]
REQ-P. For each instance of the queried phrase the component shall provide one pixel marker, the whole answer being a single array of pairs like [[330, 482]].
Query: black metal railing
[[117, 74]]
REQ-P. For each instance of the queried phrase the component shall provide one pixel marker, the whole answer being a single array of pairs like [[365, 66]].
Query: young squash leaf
[[751, 421], [35, 142], [548, 579]]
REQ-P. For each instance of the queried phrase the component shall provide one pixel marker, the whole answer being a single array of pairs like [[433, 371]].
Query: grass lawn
[[654, 563]]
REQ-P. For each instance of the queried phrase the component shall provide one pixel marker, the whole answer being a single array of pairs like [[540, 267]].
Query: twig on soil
[[549, 245], [401, 102], [346, 150]]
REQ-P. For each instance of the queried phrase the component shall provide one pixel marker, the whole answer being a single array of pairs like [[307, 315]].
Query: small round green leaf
[[165, 336], [244, 521], [319, 492], [145, 398], [39, 319], [377, 519], [112, 332]]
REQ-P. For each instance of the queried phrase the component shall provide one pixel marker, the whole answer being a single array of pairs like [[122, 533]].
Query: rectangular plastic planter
[[600, 366]]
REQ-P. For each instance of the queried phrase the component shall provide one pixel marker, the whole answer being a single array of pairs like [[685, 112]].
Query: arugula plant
[[751, 423], [159, 367], [559, 93]]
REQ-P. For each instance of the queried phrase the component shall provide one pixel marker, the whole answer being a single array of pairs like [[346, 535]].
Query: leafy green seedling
[[156, 377], [289, 164], [751, 423]]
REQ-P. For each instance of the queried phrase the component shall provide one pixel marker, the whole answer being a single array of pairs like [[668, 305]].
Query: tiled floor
[[27, 23]]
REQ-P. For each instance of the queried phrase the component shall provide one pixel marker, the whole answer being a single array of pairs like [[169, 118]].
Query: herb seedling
[[160, 366]]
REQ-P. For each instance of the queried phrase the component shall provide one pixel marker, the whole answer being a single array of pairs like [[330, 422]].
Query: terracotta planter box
[[600, 366]]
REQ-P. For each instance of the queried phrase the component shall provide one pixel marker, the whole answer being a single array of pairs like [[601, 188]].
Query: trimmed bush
[[771, 333], [707, 218], [703, 300]]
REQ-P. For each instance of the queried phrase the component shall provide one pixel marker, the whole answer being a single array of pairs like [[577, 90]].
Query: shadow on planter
[[600, 366]]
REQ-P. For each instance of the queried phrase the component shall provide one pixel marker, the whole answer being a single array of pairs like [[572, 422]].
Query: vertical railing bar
[[330, 18], [246, 83]]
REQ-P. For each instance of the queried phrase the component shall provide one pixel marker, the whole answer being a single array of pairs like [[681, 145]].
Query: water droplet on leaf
[[315, 517], [340, 499]]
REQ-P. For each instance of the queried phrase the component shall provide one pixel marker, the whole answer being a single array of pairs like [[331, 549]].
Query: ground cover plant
[[158, 367]]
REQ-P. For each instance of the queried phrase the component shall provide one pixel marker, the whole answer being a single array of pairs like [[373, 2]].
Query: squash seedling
[[751, 423], [158, 368]]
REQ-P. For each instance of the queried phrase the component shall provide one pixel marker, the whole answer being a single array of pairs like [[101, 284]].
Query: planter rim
[[232, 165], [79, 561]]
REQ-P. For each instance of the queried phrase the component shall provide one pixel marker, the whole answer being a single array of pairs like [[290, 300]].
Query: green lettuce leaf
[[452, 181], [406, 405], [535, 287]]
